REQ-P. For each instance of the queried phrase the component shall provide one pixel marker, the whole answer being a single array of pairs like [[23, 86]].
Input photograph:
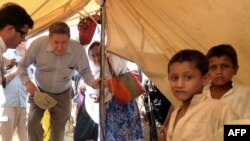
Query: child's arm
[[164, 128]]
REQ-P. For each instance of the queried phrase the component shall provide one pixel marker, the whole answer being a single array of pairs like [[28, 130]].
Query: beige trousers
[[13, 118]]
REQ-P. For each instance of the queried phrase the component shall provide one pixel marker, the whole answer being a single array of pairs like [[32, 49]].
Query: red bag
[[125, 87], [86, 28]]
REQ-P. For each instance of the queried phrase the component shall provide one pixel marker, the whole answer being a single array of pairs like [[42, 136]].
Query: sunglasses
[[23, 34]]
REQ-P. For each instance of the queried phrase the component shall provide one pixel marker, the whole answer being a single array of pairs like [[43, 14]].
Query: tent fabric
[[45, 12], [150, 32]]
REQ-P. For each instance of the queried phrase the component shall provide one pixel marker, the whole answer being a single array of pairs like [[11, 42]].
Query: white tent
[[150, 32]]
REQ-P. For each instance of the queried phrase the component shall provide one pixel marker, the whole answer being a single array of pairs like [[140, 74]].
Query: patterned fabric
[[122, 122]]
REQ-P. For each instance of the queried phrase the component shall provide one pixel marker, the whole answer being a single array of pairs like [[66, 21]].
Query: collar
[[196, 99], [16, 53], [207, 91]]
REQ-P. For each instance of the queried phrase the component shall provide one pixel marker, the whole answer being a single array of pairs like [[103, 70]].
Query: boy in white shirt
[[223, 65], [199, 117]]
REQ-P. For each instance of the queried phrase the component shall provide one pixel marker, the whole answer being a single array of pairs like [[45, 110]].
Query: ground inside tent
[[69, 133]]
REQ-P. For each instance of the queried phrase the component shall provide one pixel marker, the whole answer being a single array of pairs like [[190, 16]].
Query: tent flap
[[150, 32]]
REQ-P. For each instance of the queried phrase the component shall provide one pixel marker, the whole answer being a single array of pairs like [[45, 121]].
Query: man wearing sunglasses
[[14, 25]]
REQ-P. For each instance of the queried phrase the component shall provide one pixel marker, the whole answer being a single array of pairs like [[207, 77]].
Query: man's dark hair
[[15, 15], [59, 28], [189, 55], [223, 49]]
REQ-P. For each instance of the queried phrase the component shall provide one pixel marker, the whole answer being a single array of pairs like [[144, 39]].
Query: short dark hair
[[59, 28], [223, 49], [15, 15], [190, 55]]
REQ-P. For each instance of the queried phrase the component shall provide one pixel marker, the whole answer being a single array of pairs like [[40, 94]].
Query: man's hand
[[8, 64], [96, 83], [82, 87], [13, 62], [31, 87]]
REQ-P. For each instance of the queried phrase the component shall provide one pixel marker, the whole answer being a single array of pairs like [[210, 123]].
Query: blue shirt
[[15, 94]]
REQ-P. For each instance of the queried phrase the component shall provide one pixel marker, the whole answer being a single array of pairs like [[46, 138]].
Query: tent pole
[[102, 72]]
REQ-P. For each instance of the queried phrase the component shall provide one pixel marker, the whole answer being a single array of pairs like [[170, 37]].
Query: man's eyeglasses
[[23, 34]]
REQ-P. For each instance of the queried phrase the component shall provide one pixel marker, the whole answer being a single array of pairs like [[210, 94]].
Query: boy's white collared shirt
[[202, 119], [237, 97]]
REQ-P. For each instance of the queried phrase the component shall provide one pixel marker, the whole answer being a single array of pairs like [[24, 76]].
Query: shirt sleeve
[[25, 62], [83, 68], [119, 65]]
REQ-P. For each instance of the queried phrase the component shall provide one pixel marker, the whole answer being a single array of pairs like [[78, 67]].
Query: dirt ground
[[69, 128], [69, 133]]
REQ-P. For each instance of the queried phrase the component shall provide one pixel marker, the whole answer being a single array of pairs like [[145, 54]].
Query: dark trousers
[[59, 116], [86, 128]]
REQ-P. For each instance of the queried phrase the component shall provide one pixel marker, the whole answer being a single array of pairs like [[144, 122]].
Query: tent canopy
[[45, 12], [150, 32]]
